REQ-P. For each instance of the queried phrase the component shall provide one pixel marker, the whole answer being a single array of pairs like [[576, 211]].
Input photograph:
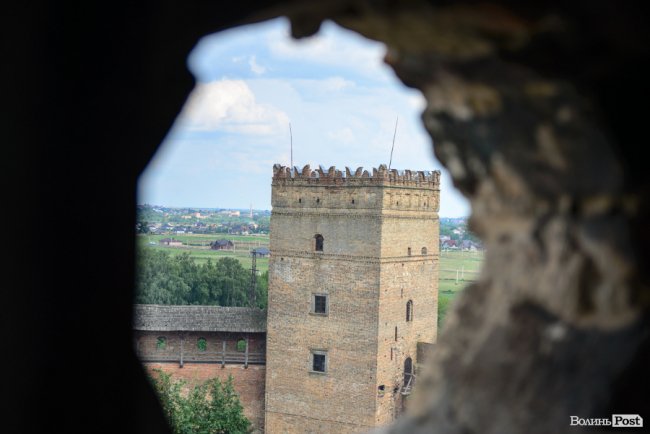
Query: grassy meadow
[[198, 246], [457, 270]]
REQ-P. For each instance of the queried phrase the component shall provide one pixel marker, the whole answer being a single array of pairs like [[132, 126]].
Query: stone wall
[[407, 273], [346, 393]]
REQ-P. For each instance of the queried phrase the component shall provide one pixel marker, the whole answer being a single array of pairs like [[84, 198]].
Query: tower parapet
[[374, 176]]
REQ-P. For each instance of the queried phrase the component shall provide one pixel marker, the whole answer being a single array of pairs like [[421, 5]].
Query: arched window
[[409, 310], [424, 250], [241, 345], [319, 242], [161, 343], [409, 251], [202, 344]]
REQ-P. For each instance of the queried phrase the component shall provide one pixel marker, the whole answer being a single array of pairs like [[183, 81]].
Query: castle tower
[[353, 293]]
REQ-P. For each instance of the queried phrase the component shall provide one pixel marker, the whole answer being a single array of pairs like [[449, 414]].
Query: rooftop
[[155, 317]]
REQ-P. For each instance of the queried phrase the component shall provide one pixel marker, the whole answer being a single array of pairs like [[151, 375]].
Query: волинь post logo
[[617, 420]]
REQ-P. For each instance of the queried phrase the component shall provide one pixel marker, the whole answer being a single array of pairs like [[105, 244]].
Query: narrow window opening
[[353, 201], [319, 361], [424, 250], [299, 200], [409, 251], [319, 304], [317, 200], [409, 310], [395, 333], [408, 374], [319, 242]]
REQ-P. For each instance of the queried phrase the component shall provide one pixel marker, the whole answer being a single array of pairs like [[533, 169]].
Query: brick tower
[[353, 295]]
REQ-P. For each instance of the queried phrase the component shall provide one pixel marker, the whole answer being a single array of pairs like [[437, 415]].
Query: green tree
[[166, 279], [211, 407], [142, 227], [262, 293]]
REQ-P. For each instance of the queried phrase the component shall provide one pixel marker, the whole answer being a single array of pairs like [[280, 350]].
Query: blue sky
[[340, 98]]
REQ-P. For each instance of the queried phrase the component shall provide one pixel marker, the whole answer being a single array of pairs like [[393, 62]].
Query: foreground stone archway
[[531, 108]]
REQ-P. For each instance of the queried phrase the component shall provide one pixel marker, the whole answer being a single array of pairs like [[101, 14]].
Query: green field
[[457, 269], [198, 246], [198, 239]]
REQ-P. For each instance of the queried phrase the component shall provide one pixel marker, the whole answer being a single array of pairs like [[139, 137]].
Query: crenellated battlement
[[334, 176]]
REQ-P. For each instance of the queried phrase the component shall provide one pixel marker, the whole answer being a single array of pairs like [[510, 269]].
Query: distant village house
[[172, 242], [222, 245], [466, 245], [261, 252], [449, 244]]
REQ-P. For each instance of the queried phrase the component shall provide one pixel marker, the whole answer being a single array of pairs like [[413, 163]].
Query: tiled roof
[[222, 243], [155, 317]]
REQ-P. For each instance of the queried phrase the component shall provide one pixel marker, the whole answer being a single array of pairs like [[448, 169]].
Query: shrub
[[210, 407]]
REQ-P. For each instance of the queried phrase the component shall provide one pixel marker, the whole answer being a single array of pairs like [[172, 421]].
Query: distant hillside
[[456, 229], [169, 220]]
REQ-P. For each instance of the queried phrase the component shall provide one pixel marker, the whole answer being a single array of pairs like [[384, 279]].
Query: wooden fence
[[222, 357]]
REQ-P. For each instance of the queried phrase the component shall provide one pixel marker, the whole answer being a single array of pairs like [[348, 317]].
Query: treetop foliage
[[212, 407], [166, 279]]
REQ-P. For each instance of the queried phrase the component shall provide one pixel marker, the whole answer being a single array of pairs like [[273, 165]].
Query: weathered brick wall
[[406, 277], [248, 382], [348, 333], [145, 343], [367, 224]]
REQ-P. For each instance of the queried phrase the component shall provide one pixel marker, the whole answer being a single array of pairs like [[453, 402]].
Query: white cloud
[[332, 46], [417, 101], [230, 106], [255, 67], [341, 98]]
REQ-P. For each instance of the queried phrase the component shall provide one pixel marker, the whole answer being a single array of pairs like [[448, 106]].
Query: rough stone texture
[[90, 100], [198, 318], [554, 324], [249, 383], [369, 223]]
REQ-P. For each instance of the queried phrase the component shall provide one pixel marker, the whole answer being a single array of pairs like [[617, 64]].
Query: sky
[[253, 83]]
